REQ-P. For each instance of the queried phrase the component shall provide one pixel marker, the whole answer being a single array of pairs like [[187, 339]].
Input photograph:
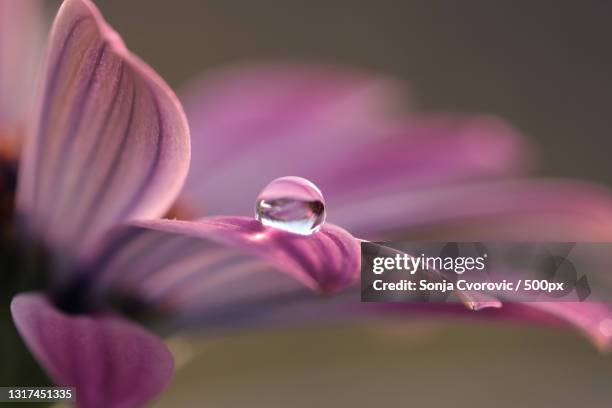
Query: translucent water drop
[[291, 204]]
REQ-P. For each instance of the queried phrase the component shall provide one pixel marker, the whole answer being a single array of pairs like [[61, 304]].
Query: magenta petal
[[223, 264], [21, 45], [426, 151], [111, 362], [592, 318], [333, 127], [229, 273], [538, 210], [253, 124], [110, 143]]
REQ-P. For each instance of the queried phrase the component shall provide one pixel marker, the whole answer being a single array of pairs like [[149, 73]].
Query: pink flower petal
[[426, 151], [539, 210], [333, 127], [253, 124], [21, 44], [218, 266], [592, 318], [110, 143], [112, 363], [231, 273]]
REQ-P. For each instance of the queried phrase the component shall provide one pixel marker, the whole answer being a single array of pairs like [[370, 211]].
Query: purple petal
[[333, 127], [427, 151], [225, 266], [111, 142], [232, 273], [593, 318], [540, 210], [253, 124], [21, 44], [112, 363]]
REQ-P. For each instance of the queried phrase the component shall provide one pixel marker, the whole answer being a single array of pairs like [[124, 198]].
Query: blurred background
[[545, 66]]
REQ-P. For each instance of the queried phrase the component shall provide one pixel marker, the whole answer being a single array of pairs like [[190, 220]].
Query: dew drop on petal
[[292, 204]]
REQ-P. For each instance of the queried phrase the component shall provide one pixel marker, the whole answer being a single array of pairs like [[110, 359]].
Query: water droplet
[[291, 204]]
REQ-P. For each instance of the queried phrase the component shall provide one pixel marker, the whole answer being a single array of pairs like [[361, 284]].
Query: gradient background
[[545, 66]]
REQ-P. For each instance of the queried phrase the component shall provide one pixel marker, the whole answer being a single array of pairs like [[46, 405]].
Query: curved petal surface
[[222, 267], [110, 141], [231, 273], [333, 126], [429, 150], [111, 362], [527, 210], [593, 318]]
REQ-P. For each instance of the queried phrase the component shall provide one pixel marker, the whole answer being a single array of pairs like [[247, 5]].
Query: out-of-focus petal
[[333, 127], [426, 151], [223, 267], [232, 273], [111, 362], [21, 44], [593, 318], [539, 210], [253, 124], [110, 142]]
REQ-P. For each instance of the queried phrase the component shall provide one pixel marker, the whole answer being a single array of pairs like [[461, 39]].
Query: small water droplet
[[292, 204]]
